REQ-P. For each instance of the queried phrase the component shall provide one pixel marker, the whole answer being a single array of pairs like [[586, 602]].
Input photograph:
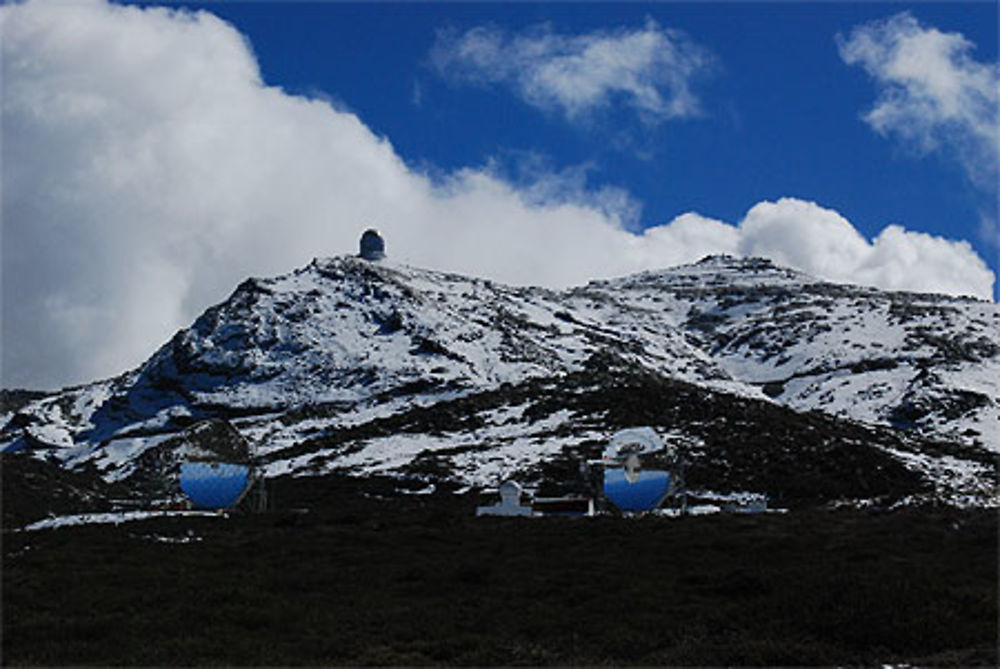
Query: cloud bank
[[933, 95], [650, 70], [148, 169]]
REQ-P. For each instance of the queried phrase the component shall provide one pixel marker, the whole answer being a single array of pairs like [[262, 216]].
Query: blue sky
[[157, 155], [781, 109]]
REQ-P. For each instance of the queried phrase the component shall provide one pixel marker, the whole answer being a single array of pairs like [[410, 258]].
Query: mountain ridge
[[344, 343]]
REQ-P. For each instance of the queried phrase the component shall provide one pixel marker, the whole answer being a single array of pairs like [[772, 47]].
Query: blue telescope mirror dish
[[635, 491], [214, 485]]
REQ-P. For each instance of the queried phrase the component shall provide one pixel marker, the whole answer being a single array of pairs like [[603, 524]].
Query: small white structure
[[510, 503]]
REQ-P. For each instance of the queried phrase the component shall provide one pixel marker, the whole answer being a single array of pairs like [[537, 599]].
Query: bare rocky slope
[[768, 380]]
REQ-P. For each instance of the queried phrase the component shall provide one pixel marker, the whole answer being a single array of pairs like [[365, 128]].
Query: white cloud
[[933, 95], [649, 69], [148, 169], [823, 243], [819, 241]]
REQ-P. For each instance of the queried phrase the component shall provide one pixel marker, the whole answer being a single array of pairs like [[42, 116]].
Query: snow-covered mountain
[[377, 367]]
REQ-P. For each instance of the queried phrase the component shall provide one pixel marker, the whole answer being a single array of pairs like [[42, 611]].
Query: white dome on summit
[[372, 245]]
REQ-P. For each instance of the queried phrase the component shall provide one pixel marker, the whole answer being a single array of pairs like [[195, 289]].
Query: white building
[[510, 503]]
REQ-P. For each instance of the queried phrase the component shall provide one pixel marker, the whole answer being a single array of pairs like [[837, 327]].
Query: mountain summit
[[365, 367]]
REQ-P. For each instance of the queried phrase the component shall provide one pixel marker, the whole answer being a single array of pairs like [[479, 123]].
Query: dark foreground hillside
[[363, 578]]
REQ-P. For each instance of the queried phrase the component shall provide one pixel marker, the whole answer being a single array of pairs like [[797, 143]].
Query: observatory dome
[[510, 490], [372, 245]]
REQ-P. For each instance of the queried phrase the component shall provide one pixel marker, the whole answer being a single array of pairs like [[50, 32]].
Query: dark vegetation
[[14, 400], [33, 489], [797, 459], [369, 576]]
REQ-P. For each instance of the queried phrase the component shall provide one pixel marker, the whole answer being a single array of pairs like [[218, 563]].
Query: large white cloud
[[817, 240], [933, 95], [147, 170], [648, 69], [822, 242]]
